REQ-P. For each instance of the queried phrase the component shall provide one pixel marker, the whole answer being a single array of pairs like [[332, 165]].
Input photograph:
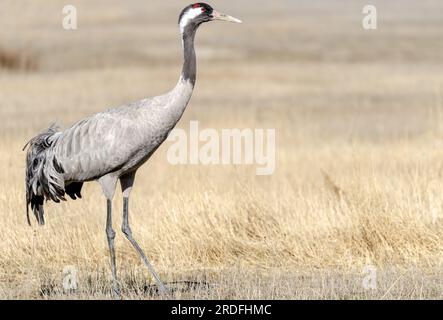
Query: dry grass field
[[359, 172]]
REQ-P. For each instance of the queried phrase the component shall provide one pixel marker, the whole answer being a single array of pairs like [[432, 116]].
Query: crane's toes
[[163, 290], [117, 294]]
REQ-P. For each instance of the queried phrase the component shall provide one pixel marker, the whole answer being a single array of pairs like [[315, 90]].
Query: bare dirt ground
[[358, 181]]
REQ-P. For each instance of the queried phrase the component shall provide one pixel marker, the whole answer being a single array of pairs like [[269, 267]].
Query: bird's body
[[115, 142], [119, 140], [112, 145]]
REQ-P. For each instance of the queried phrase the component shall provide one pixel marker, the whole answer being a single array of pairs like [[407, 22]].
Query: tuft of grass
[[16, 60]]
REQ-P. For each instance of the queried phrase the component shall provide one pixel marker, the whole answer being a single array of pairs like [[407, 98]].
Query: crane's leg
[[108, 184], [127, 182]]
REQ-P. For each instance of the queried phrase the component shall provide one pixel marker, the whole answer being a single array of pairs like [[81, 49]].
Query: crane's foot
[[163, 290], [116, 290]]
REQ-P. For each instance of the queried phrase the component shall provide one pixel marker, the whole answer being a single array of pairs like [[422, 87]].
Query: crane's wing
[[98, 145]]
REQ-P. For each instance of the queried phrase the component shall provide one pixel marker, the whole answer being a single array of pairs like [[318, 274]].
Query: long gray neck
[[189, 71], [179, 97]]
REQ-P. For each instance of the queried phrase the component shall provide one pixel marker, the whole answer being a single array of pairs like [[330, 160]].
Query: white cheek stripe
[[188, 16]]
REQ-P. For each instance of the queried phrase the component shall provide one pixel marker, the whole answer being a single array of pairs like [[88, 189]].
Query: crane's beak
[[224, 17]]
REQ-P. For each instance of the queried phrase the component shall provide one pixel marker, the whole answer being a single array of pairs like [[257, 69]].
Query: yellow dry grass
[[358, 179]]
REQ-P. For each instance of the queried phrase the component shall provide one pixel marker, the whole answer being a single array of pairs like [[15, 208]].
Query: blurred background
[[289, 56]]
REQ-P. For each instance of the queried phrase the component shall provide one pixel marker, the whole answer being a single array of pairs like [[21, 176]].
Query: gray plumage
[[112, 145]]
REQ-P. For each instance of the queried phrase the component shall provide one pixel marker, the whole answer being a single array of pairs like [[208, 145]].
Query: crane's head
[[195, 14]]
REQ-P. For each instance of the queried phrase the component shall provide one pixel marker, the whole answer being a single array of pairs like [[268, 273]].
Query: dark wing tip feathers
[[44, 174], [74, 190]]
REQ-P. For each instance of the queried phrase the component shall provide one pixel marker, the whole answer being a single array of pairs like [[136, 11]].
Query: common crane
[[112, 145]]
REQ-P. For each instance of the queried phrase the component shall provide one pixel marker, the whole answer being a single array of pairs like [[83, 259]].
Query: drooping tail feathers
[[44, 174]]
